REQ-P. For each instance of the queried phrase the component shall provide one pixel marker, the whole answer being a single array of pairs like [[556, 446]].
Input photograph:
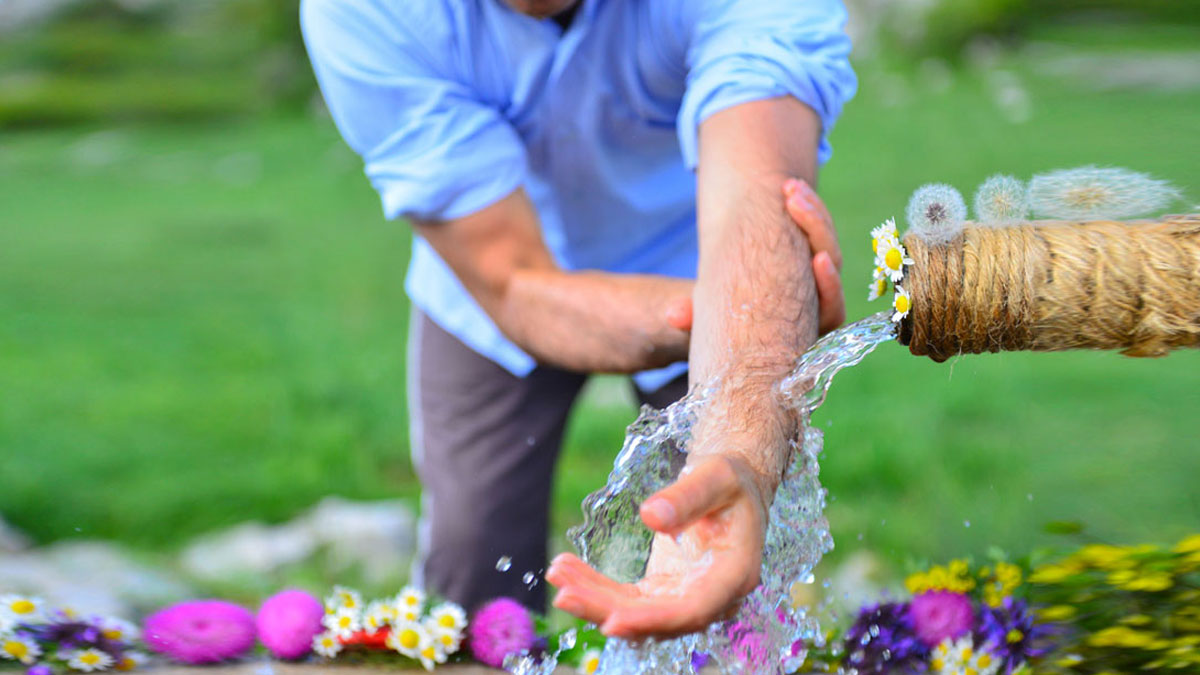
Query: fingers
[[706, 488], [810, 214], [832, 301], [585, 592], [679, 314], [698, 602]]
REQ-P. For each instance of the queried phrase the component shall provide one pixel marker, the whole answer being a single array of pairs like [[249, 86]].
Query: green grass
[[205, 324]]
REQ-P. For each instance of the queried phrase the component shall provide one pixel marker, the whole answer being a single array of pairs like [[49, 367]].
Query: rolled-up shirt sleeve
[[431, 148], [740, 51]]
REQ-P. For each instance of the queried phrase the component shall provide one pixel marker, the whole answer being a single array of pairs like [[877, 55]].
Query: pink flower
[[937, 615], [287, 623], [501, 627], [201, 631]]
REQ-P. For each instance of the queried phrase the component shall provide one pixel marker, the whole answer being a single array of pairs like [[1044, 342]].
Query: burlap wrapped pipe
[[1054, 285]]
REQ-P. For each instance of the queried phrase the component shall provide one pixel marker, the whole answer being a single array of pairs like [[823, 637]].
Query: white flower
[[430, 652], [901, 303], [344, 622], [7, 623], [22, 608], [408, 637], [19, 648], [877, 288], [449, 616], [590, 662], [886, 231], [88, 660], [132, 660], [326, 644], [410, 599], [448, 640], [1001, 200], [118, 629], [379, 614], [892, 257], [959, 657], [343, 598], [936, 213]]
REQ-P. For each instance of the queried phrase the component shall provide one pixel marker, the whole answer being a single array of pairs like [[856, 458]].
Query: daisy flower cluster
[[406, 624], [47, 640], [891, 259]]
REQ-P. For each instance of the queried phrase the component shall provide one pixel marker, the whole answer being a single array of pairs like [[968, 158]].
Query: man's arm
[[756, 311], [587, 321]]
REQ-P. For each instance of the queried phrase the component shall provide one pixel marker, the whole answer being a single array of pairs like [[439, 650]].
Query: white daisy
[[410, 599], [448, 640], [590, 662], [884, 232], [88, 660], [407, 637], [22, 608], [892, 257], [118, 629], [901, 303], [449, 616], [877, 288], [7, 624], [343, 598], [430, 652], [20, 648], [344, 622], [132, 660], [959, 657], [379, 614], [326, 644]]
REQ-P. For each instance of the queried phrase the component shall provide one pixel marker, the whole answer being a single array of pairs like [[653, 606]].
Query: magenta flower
[[937, 615], [287, 623], [201, 631], [501, 627]]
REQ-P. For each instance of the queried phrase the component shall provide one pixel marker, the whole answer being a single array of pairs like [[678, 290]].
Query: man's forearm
[[594, 321], [755, 301]]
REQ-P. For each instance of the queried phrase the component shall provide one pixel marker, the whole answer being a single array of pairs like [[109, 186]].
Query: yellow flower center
[[89, 658], [985, 660], [591, 666], [23, 607], [447, 640], [902, 304], [409, 639], [446, 621], [875, 244], [18, 650], [126, 664], [967, 653], [937, 664], [429, 652], [1014, 636], [411, 600], [893, 259], [970, 671], [113, 633]]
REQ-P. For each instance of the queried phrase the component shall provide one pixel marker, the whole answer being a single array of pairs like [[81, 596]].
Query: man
[[544, 151]]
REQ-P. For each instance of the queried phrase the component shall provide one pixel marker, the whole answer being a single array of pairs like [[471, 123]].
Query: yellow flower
[[1188, 545], [1057, 613], [1052, 574], [878, 286], [590, 662], [902, 303]]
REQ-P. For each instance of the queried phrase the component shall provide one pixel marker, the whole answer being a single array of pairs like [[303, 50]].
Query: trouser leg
[[665, 395], [484, 443]]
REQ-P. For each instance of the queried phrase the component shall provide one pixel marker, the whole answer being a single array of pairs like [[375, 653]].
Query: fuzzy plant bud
[[1001, 200], [936, 213], [1098, 193]]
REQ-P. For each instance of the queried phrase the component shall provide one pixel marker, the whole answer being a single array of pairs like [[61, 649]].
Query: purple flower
[[501, 627], [287, 623], [883, 641], [1010, 633], [202, 631], [938, 615], [40, 669], [699, 660], [747, 645], [70, 635]]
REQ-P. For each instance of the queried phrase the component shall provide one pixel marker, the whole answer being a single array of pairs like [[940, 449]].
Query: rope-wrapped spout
[[1053, 285]]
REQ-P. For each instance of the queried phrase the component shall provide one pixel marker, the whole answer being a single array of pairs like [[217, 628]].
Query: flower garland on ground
[[46, 640], [1101, 610]]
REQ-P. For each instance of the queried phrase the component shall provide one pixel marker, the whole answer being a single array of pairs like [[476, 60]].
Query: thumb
[[702, 490]]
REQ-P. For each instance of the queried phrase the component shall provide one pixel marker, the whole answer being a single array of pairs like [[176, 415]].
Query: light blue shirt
[[454, 104]]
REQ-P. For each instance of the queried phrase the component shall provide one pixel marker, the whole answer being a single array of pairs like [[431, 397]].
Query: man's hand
[[710, 526], [808, 212]]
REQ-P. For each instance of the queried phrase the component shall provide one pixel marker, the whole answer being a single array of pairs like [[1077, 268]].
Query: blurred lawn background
[[202, 318]]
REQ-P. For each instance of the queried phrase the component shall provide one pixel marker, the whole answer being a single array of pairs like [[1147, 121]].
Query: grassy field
[[205, 324]]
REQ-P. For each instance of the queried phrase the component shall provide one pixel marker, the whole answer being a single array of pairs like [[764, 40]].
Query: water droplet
[[1029, 496], [887, 655], [531, 441], [503, 563], [567, 641], [860, 536], [528, 578], [874, 630], [966, 523], [883, 522]]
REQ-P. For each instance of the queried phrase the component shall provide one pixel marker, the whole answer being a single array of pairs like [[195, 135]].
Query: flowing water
[[760, 638]]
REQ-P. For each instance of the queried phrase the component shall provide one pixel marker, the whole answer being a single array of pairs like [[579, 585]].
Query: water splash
[[760, 637]]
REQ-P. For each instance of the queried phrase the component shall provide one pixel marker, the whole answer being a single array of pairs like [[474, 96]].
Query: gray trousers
[[484, 443]]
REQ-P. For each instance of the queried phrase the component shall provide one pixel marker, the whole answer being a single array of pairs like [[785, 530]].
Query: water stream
[[760, 638]]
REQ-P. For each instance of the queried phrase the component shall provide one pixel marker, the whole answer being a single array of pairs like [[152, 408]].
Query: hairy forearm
[[593, 321], [755, 302]]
